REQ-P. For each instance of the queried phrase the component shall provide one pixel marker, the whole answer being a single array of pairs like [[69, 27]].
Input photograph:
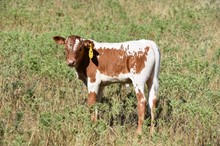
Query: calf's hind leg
[[152, 85], [141, 105]]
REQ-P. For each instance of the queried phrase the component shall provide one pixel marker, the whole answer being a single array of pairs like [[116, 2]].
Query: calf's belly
[[106, 80]]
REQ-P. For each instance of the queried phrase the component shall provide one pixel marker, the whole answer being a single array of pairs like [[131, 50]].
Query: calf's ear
[[59, 40], [88, 43]]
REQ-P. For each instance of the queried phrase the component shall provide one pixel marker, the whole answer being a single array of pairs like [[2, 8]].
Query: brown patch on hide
[[113, 62]]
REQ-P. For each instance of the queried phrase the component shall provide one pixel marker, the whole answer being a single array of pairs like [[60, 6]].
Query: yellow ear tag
[[90, 51]]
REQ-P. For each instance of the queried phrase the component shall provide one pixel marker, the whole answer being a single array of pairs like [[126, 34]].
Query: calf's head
[[75, 48]]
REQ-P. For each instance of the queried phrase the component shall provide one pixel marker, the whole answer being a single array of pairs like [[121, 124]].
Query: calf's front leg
[[92, 97], [93, 89]]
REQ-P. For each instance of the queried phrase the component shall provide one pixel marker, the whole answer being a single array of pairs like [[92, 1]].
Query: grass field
[[42, 102]]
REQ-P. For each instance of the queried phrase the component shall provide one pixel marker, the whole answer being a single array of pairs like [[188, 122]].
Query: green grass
[[42, 102]]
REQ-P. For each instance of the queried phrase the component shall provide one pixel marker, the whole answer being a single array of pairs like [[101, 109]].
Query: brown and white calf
[[100, 64]]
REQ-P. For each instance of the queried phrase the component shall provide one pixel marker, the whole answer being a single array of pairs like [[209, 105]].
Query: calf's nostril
[[71, 62]]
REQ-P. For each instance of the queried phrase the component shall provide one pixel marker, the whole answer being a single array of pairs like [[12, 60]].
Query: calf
[[100, 64]]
